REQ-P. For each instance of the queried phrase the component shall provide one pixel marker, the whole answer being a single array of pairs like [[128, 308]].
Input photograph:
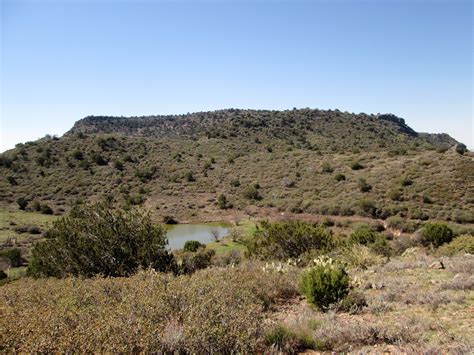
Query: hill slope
[[312, 161]]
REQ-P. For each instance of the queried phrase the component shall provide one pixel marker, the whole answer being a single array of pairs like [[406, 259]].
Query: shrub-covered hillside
[[239, 162]]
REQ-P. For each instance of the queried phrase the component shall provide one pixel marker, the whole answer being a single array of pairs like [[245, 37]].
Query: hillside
[[263, 162]]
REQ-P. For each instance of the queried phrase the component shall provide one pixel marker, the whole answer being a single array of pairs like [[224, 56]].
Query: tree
[[95, 239]]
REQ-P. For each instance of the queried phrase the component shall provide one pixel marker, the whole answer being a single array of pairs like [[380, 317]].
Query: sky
[[64, 60]]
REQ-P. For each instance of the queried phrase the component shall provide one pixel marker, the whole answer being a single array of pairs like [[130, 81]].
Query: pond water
[[178, 234]]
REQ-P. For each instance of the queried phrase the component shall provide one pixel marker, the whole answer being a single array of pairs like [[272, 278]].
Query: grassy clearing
[[225, 246], [21, 229]]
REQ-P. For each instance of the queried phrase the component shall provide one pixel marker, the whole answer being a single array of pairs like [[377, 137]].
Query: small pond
[[178, 234]]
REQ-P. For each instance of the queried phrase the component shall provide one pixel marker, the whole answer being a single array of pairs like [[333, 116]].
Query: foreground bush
[[283, 240], [95, 239], [461, 244], [325, 283], [436, 234], [211, 311]]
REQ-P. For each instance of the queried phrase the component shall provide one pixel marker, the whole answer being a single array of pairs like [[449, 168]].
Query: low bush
[[288, 341], [192, 245], [252, 193], [436, 234], [211, 311], [95, 239], [290, 239], [22, 203], [45, 209], [325, 283], [364, 186], [461, 244], [193, 261], [402, 224], [13, 255], [360, 257], [377, 242]]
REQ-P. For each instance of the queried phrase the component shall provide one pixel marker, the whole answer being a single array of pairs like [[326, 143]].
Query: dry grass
[[214, 310], [410, 308]]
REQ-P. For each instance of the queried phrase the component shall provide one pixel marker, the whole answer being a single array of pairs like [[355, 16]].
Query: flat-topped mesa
[[310, 127]]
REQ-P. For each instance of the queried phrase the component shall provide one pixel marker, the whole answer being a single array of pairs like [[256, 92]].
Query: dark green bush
[[223, 203], [78, 155], [13, 255], [190, 177], [364, 186], [357, 166], [95, 239], [324, 284], [22, 203], [169, 220], [3, 275], [193, 261], [99, 159], [436, 234], [252, 193], [235, 183], [283, 240], [192, 245], [340, 177], [377, 242], [45, 209]]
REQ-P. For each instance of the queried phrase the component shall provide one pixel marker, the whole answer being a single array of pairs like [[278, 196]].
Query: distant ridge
[[231, 122]]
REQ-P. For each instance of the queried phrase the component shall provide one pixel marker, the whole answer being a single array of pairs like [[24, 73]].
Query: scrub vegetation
[[347, 233]]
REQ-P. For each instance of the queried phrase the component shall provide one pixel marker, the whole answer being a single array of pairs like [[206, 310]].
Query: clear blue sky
[[63, 60]]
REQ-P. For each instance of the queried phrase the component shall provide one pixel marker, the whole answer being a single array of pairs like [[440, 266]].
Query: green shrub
[[22, 203], [325, 283], [77, 154], [360, 257], [290, 239], [3, 275], [189, 177], [13, 255], [94, 239], [252, 193], [377, 242], [169, 220], [99, 159], [340, 177], [357, 166], [402, 224], [193, 261], [223, 203], [235, 183], [364, 186], [45, 209], [406, 181], [192, 245], [327, 168], [436, 234], [289, 341], [461, 244], [395, 195]]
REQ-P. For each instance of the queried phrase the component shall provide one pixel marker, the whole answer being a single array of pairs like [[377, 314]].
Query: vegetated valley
[[347, 232]]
